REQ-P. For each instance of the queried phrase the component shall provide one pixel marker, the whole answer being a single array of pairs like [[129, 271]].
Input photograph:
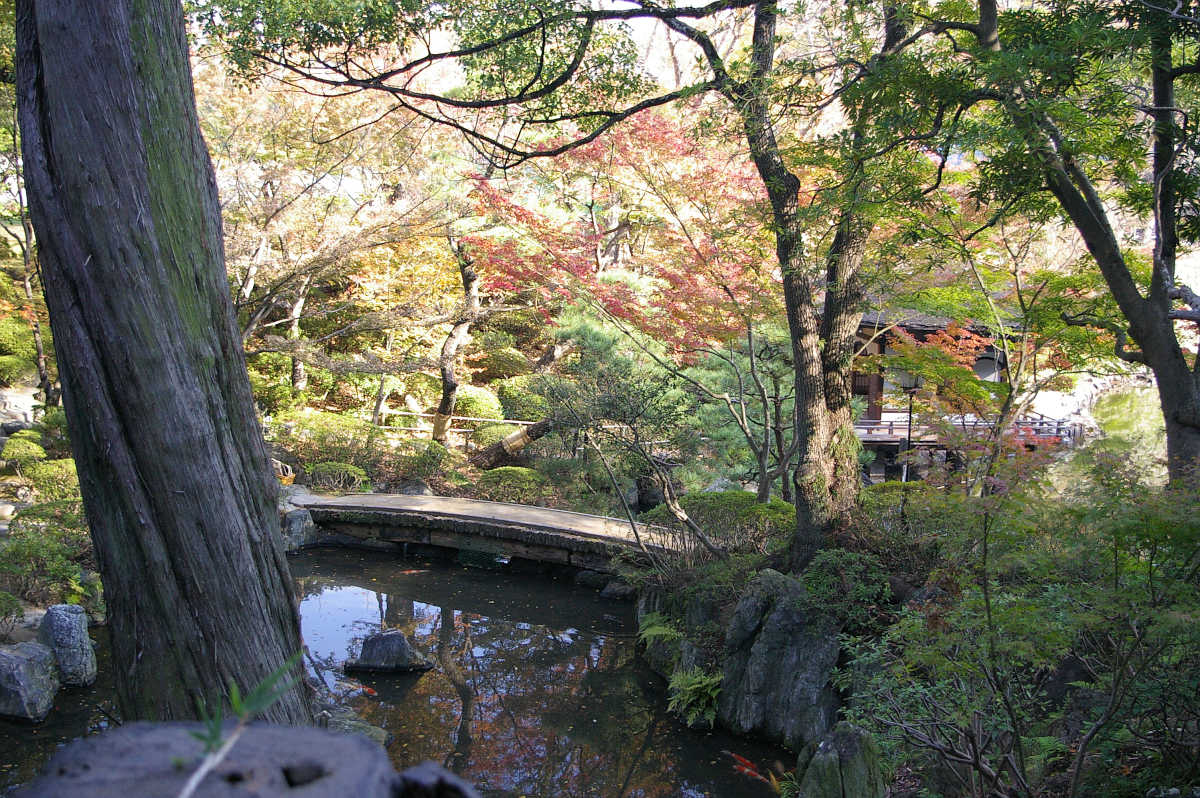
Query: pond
[[537, 692]]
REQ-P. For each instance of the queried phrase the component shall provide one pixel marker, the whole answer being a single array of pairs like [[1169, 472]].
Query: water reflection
[[537, 690]]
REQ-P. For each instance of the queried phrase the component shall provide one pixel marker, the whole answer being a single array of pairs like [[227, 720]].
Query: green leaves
[[276, 685]]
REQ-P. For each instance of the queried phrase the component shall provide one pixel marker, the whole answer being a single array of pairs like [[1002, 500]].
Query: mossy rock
[[512, 484], [55, 438], [53, 480], [24, 450], [336, 476], [519, 401]]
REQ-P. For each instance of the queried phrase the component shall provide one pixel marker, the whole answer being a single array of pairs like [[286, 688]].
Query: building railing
[[1033, 429]]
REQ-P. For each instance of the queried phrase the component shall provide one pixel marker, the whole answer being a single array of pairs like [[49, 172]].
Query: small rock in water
[[28, 681], [64, 630], [619, 591], [389, 652]]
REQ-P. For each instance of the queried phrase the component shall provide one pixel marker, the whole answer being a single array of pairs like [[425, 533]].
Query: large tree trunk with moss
[[823, 337], [172, 464]]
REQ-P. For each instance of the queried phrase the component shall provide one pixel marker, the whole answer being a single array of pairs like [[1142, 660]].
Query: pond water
[[537, 690]]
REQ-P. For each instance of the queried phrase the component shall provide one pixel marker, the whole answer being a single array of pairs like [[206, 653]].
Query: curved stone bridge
[[505, 530]]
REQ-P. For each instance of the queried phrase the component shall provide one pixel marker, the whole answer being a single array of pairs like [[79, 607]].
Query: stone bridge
[[496, 528]]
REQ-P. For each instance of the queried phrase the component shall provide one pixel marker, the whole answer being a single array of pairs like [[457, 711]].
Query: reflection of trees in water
[[523, 707], [457, 759]]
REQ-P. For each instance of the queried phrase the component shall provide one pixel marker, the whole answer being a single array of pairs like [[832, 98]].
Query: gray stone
[[298, 530], [779, 656], [592, 579], [844, 762], [14, 426], [288, 494], [64, 630], [266, 762], [28, 681], [343, 721], [412, 487], [619, 591], [720, 485], [390, 652]]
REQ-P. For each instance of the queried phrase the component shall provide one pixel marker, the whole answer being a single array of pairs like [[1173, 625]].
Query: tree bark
[[460, 333], [492, 455], [172, 465], [826, 476]]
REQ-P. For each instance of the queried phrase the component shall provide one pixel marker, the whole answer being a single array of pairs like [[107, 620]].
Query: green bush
[[336, 476], [10, 613], [499, 363], [512, 484], [48, 556], [17, 351], [52, 428], [693, 694], [23, 450], [490, 434], [313, 436], [271, 382], [519, 401], [477, 402], [852, 586], [53, 480], [733, 518], [428, 462]]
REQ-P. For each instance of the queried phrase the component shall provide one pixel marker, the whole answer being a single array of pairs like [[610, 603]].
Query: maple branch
[[1120, 335]]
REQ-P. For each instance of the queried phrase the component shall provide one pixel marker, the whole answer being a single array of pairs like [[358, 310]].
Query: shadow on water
[[537, 689]]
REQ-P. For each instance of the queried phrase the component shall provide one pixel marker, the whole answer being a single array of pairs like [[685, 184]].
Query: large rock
[[266, 762], [28, 681], [64, 631], [389, 652], [298, 530], [779, 655], [846, 762]]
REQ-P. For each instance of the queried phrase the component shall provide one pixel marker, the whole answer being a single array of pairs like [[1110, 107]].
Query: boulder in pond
[[64, 631], [844, 762], [389, 652], [298, 530], [28, 681], [779, 655]]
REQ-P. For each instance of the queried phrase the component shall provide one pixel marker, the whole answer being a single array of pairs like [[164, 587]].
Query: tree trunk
[[492, 455], [172, 464], [460, 333], [49, 394]]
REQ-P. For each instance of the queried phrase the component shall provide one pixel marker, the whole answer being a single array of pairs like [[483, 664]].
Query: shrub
[[23, 449], [427, 463], [53, 431], [48, 556], [336, 476], [477, 402], [10, 613], [499, 363], [512, 484], [53, 480], [693, 694], [490, 434], [271, 382], [313, 436], [852, 586], [16, 350], [519, 401], [734, 518]]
